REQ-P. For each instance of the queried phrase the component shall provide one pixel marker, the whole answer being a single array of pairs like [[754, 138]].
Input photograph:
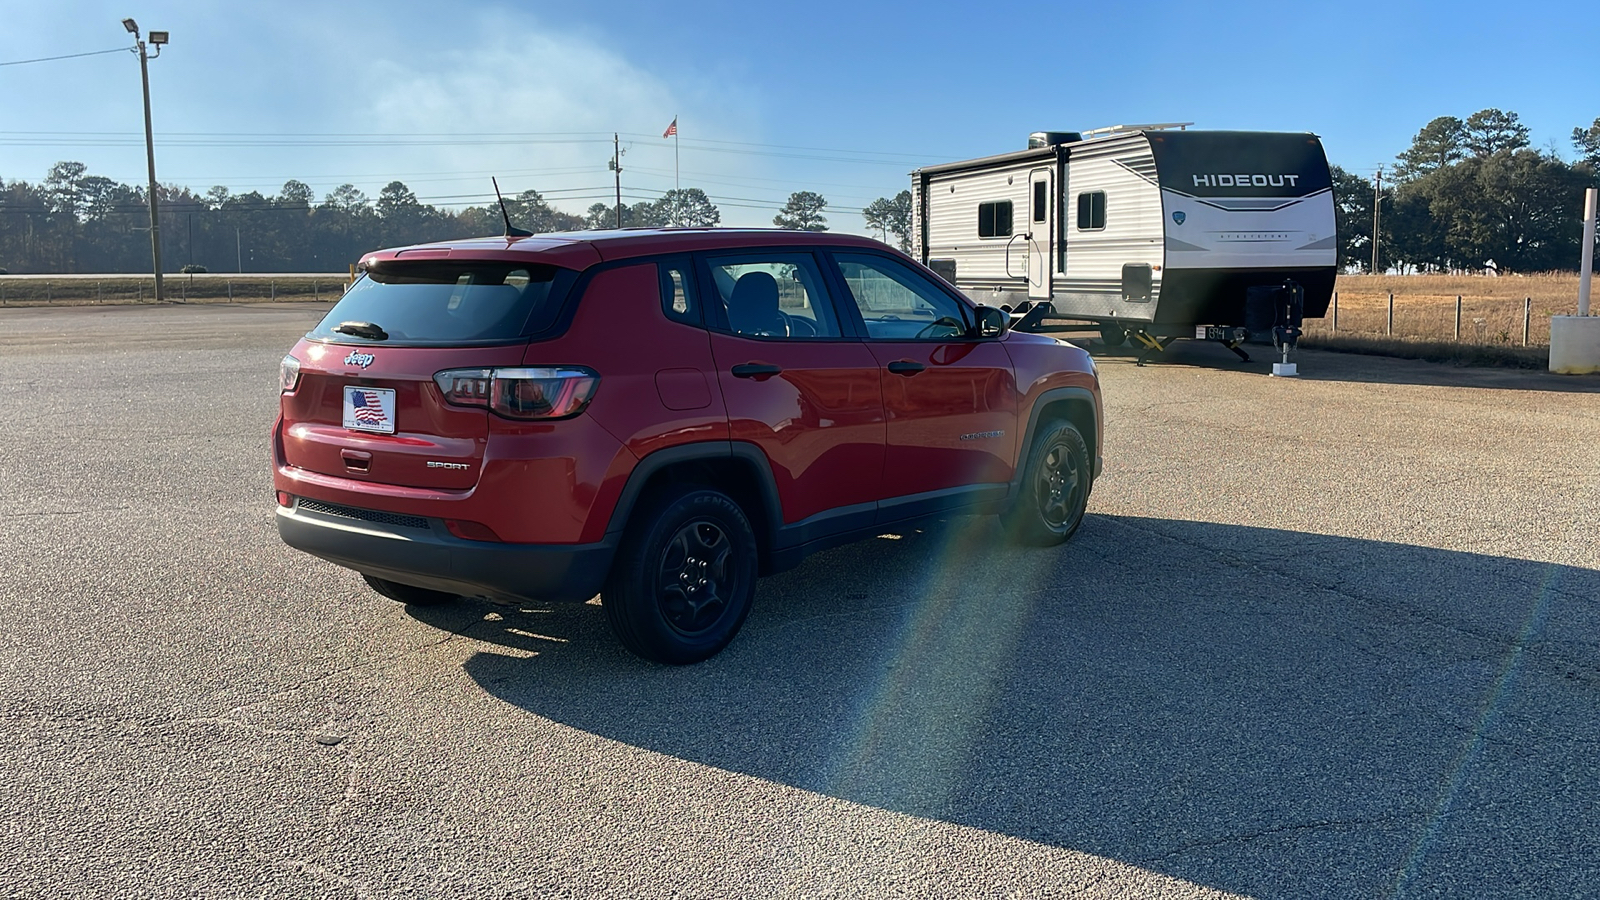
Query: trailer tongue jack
[[1280, 309]]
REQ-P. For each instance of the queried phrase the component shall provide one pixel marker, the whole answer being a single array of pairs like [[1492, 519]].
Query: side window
[[1091, 210], [898, 303], [994, 219], [675, 297], [1039, 198], [772, 295]]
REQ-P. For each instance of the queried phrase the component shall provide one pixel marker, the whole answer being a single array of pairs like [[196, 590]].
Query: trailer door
[[1041, 227]]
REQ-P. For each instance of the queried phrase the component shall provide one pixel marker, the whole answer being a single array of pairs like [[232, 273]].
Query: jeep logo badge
[[357, 358]]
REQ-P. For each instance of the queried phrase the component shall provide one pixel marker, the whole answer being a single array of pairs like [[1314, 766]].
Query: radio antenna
[[510, 230]]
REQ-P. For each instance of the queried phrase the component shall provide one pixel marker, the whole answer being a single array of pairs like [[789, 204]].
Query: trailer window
[[1091, 210], [994, 219], [1039, 189]]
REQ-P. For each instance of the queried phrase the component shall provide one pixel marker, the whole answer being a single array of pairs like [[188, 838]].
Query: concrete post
[[1591, 198], [1575, 340]]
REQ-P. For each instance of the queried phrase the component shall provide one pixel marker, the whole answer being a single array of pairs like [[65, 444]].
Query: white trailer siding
[[1124, 170], [952, 224]]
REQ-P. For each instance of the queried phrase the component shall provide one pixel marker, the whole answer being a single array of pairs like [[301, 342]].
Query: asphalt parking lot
[[1330, 636]]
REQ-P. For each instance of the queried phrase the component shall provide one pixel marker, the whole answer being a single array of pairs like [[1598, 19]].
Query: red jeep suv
[[660, 417]]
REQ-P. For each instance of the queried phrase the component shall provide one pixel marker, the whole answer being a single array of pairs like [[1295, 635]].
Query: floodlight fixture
[[158, 38], [132, 26]]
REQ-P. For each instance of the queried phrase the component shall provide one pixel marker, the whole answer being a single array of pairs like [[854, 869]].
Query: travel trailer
[[1153, 232]]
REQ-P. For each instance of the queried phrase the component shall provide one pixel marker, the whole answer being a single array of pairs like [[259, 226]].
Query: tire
[[1113, 335], [684, 577], [409, 594], [1056, 480]]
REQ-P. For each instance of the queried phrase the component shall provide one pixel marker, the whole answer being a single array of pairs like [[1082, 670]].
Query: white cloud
[[512, 76]]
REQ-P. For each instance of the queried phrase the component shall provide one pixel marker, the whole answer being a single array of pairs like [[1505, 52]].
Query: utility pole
[[1377, 200], [158, 38], [616, 167]]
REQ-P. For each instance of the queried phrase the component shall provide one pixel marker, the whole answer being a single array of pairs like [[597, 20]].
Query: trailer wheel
[[1113, 335], [1056, 480]]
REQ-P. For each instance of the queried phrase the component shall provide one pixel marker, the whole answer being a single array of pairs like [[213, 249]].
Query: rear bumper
[[423, 553]]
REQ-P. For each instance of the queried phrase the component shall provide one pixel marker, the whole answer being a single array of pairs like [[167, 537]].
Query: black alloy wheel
[[1058, 484], [684, 576], [696, 577], [1054, 493]]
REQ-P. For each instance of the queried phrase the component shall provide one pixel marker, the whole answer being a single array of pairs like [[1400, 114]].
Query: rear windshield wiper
[[363, 330]]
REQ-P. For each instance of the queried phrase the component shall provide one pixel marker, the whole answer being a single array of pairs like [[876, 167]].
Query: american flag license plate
[[369, 409]]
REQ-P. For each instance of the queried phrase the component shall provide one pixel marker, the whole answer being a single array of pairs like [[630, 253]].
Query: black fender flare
[[700, 451], [1050, 396]]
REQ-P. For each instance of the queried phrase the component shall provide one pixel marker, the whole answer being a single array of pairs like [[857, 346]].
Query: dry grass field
[[1425, 307]]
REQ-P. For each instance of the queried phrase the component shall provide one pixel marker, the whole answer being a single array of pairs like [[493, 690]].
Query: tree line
[[75, 221], [1470, 195]]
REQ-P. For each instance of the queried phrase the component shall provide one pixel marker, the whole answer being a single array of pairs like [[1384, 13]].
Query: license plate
[[369, 409]]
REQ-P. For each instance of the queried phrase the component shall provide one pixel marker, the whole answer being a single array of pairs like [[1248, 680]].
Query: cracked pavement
[[1330, 636]]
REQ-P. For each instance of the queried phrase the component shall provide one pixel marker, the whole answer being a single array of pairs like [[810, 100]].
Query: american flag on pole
[[367, 408], [671, 129]]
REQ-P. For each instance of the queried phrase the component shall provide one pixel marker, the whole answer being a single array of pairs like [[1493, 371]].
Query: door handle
[[906, 367], [756, 370]]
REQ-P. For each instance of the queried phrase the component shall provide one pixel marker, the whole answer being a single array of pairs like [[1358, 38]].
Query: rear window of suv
[[456, 302]]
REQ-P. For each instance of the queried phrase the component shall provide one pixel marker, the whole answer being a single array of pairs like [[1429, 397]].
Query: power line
[[23, 62]]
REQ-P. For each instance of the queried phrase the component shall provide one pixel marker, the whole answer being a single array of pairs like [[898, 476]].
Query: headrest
[[753, 308]]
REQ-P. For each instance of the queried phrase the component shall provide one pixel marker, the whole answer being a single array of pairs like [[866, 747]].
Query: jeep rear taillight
[[288, 374], [465, 387], [523, 392]]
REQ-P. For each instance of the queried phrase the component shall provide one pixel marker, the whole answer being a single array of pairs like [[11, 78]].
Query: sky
[[841, 98]]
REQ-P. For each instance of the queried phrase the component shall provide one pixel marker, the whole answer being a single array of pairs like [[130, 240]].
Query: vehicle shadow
[[1267, 712]]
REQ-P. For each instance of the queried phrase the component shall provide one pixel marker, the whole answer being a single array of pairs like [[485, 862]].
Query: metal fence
[[90, 290], [1461, 318]]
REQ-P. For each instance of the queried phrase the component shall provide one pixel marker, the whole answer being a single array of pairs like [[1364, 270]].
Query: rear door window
[[439, 302], [771, 295]]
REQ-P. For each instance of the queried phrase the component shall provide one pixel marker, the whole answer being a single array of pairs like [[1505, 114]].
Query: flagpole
[[675, 138]]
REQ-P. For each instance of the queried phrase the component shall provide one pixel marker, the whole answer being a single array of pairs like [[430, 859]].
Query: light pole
[[1377, 200], [157, 38]]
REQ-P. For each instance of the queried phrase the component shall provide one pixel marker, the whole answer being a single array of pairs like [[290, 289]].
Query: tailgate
[[375, 414]]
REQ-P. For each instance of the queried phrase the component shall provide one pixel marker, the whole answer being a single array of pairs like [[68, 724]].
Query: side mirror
[[990, 323]]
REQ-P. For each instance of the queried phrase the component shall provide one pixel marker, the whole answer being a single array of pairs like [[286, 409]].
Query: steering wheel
[[941, 322], [798, 326]]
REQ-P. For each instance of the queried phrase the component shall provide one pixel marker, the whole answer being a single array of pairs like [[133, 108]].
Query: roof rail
[[1129, 129]]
